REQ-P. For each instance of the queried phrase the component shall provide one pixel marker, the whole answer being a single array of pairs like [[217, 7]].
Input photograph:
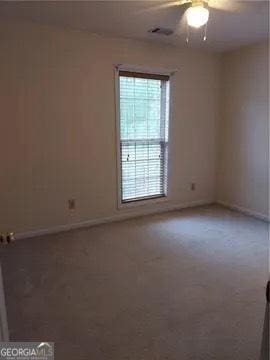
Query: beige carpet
[[178, 286]]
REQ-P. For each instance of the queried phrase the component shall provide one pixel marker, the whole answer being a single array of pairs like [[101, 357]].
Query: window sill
[[142, 202]]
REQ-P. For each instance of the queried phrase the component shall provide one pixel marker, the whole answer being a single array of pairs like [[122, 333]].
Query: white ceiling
[[231, 24]]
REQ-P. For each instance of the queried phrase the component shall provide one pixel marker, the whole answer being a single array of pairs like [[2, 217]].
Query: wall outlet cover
[[71, 204]]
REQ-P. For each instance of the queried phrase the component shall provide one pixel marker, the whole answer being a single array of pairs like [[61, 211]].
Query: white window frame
[[151, 200]]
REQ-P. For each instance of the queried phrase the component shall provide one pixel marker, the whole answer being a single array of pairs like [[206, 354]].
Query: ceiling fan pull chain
[[187, 33], [205, 32]]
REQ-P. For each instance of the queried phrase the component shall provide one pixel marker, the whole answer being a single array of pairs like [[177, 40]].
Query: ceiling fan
[[197, 14], [198, 11]]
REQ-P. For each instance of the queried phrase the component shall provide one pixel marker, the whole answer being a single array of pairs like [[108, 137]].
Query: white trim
[[4, 335], [137, 203], [117, 217], [122, 205], [162, 207], [170, 137], [117, 136], [244, 210], [145, 69]]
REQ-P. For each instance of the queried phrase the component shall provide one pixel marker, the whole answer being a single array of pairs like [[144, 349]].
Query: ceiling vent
[[161, 31]]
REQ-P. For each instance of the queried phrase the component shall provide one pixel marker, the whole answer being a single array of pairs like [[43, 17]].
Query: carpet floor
[[184, 285]]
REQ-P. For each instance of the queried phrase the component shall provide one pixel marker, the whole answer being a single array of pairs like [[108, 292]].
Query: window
[[144, 108]]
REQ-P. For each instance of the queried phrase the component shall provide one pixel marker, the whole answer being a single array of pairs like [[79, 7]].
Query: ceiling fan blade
[[182, 2], [161, 6], [181, 26], [228, 5]]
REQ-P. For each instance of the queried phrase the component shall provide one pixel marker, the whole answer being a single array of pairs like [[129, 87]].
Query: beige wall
[[244, 162], [57, 124]]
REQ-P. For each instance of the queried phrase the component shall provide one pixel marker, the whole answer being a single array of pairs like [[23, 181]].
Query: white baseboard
[[244, 210], [165, 207]]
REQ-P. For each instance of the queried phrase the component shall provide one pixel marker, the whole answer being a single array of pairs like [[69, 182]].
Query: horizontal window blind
[[143, 135]]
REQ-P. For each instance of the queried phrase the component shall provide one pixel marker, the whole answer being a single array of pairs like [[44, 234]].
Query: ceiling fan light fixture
[[197, 16]]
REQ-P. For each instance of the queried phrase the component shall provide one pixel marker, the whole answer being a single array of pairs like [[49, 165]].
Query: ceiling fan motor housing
[[199, 3]]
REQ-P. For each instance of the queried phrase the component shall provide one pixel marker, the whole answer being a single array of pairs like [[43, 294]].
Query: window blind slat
[[143, 136]]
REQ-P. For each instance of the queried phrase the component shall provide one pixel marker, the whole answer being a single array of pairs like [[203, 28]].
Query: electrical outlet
[[7, 238], [3, 239], [10, 237], [71, 204], [193, 186]]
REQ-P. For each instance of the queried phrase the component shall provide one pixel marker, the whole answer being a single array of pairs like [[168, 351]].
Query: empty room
[[134, 180]]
